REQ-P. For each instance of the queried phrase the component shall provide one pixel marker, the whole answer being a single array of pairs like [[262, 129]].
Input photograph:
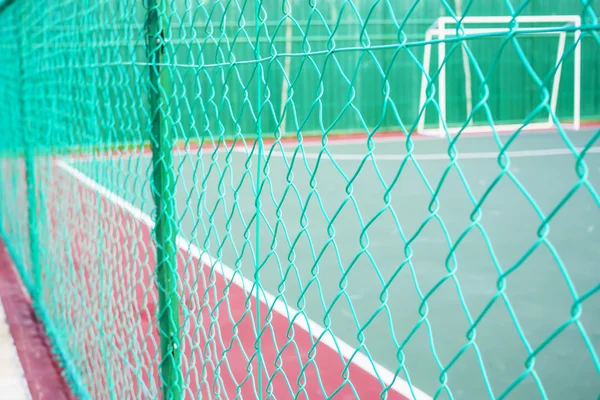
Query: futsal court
[[375, 263]]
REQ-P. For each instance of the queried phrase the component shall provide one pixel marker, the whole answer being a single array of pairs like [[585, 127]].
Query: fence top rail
[[574, 19], [476, 31]]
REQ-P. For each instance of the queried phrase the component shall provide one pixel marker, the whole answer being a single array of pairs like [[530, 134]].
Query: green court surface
[[449, 262]]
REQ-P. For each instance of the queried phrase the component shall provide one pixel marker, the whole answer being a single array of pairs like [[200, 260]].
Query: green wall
[[346, 79]]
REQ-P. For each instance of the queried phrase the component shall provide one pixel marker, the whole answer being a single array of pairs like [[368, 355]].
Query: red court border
[[331, 360], [43, 373], [194, 145]]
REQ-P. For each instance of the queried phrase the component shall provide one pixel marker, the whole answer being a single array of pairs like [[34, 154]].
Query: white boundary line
[[441, 156], [13, 383], [360, 359], [385, 157], [477, 132]]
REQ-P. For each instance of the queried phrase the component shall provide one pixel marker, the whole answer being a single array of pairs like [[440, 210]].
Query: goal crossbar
[[439, 30]]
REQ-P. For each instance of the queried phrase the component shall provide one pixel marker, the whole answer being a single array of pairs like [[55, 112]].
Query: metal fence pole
[[29, 144], [164, 197], [32, 211], [257, 202]]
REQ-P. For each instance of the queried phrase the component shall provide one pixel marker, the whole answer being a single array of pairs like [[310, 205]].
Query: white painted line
[[441, 156], [360, 360], [356, 140], [13, 384], [377, 156]]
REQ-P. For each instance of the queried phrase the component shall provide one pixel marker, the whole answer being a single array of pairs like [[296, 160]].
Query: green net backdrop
[[231, 199]]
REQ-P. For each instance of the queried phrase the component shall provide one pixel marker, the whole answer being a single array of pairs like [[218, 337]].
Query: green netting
[[223, 199]]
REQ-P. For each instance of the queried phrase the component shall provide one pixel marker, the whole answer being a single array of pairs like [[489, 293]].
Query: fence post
[[29, 145], [32, 211], [163, 190], [257, 201]]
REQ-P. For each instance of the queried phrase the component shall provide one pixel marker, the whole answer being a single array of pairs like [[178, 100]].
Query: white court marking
[[435, 156], [13, 384], [358, 157], [373, 368]]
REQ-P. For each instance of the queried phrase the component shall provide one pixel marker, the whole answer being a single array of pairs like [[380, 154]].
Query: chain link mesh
[[307, 199]]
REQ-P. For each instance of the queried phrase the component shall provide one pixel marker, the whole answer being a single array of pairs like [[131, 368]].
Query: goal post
[[439, 32]]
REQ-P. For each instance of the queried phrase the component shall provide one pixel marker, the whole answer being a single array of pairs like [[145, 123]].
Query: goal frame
[[439, 31]]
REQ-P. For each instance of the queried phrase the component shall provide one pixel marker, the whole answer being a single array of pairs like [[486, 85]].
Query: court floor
[[472, 275]]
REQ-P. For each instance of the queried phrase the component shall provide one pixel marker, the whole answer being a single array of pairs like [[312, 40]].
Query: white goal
[[445, 27]]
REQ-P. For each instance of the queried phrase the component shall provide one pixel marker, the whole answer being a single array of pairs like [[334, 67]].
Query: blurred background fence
[[84, 52]]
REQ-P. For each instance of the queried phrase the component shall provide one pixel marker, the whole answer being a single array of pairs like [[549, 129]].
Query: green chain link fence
[[235, 199]]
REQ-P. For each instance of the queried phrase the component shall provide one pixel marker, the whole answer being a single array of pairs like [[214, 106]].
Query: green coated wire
[[175, 196]]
